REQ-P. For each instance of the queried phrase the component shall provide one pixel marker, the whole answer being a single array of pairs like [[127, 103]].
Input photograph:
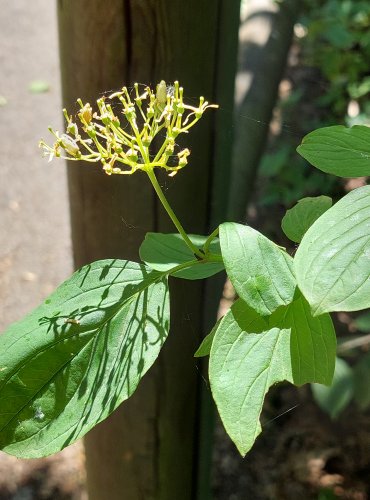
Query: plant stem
[[191, 263], [171, 214], [210, 238], [213, 257], [184, 265]]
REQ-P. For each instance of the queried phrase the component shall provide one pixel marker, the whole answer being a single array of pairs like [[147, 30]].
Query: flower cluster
[[124, 143]]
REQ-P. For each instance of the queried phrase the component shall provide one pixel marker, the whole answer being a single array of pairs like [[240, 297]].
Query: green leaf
[[73, 360], [250, 353], [259, 270], [362, 322], [334, 399], [312, 342], [298, 219], [205, 347], [338, 150], [163, 252], [361, 374], [332, 264], [246, 359]]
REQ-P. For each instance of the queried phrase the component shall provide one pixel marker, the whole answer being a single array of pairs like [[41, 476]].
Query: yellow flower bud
[[85, 113], [161, 94]]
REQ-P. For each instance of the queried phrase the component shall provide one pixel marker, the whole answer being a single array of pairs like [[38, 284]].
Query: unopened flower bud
[[161, 94], [183, 157], [72, 128], [132, 155], [69, 145], [86, 113], [106, 119], [129, 113], [107, 168]]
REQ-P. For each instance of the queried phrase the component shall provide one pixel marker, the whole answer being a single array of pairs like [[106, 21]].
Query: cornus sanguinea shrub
[[68, 364]]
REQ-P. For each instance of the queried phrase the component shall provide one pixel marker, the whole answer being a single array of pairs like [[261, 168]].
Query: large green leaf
[[259, 270], [73, 360], [338, 150], [332, 264], [298, 219], [166, 251], [250, 353]]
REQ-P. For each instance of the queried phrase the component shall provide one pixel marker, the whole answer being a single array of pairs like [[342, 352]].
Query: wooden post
[[147, 449]]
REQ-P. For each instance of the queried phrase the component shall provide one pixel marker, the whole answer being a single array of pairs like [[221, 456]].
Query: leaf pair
[[251, 353], [332, 264], [269, 335]]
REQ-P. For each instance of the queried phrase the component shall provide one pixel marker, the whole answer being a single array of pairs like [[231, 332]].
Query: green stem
[[175, 220], [191, 263], [184, 265], [210, 238], [213, 257]]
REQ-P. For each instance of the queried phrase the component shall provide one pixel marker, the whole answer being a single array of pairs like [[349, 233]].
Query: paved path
[[35, 248], [34, 227]]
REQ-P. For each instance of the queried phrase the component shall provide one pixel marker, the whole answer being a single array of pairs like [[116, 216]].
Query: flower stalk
[[142, 136]]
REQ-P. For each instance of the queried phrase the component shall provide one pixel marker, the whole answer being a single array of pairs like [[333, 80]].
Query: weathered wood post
[[147, 449]]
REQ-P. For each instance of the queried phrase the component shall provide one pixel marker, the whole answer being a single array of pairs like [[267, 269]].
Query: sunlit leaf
[[332, 264], [338, 150], [259, 270], [74, 359], [298, 219]]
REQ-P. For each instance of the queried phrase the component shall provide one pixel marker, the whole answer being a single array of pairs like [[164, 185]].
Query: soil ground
[[301, 454]]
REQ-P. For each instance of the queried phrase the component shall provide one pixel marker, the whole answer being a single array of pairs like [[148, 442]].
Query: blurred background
[[279, 69]]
